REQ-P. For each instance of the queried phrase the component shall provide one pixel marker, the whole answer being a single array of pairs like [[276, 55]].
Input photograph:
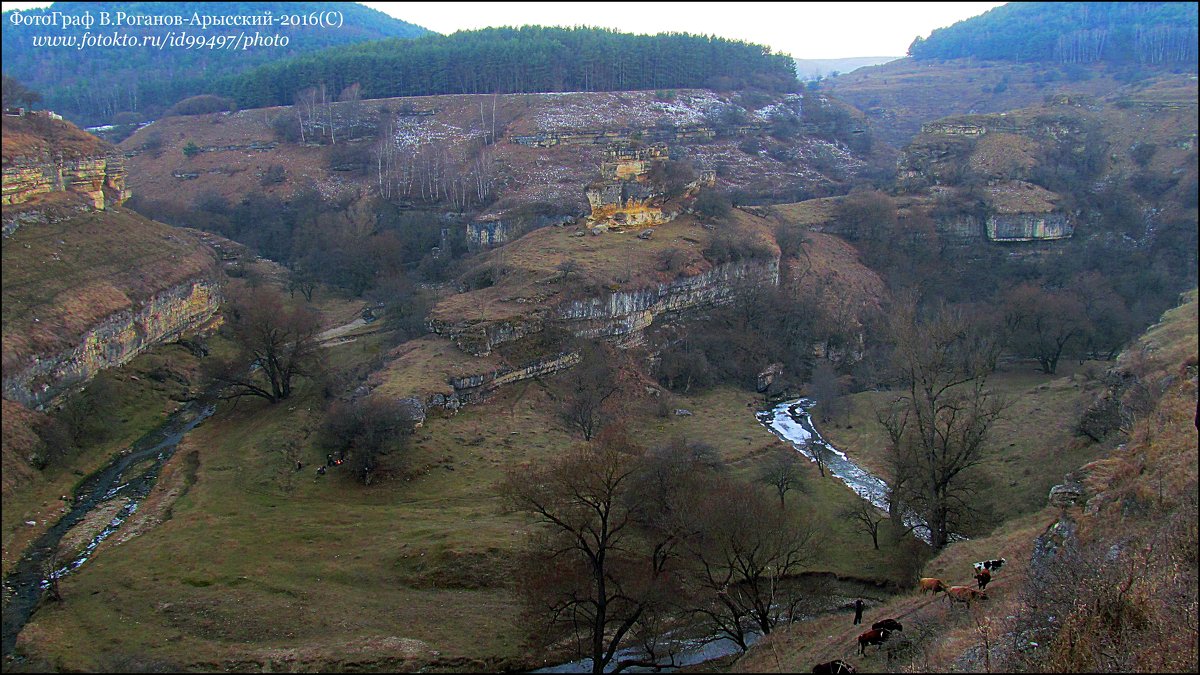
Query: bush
[[191, 149], [201, 105], [713, 204], [286, 128], [274, 174]]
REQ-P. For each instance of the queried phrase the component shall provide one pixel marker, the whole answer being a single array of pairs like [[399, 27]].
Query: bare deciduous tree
[[274, 345], [784, 474], [864, 518], [588, 386], [593, 576], [742, 550], [939, 425]]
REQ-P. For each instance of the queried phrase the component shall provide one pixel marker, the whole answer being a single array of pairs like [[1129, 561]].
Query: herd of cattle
[[882, 630]]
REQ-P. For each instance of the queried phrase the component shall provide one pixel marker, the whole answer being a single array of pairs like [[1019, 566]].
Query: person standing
[[858, 609]]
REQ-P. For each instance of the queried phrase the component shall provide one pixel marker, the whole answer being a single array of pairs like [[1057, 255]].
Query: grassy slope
[[898, 97], [62, 278], [1031, 446], [333, 564], [1163, 443]]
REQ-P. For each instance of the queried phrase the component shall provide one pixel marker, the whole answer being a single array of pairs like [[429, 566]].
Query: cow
[[964, 594], [835, 667], [983, 578], [875, 636], [990, 565], [887, 624], [931, 584]]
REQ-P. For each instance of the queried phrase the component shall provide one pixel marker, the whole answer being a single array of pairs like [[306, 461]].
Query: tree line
[[1071, 32], [91, 86], [513, 60]]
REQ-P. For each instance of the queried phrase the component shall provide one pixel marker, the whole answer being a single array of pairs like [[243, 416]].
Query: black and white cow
[[990, 565]]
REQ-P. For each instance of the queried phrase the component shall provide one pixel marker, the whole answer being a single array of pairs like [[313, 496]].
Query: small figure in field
[[858, 610], [299, 465], [320, 471]]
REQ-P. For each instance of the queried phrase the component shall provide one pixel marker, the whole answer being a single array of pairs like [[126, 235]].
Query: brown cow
[[875, 636], [931, 584], [983, 578], [964, 594], [835, 667]]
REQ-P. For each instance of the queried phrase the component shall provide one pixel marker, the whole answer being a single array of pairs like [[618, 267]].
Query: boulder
[[1066, 495]]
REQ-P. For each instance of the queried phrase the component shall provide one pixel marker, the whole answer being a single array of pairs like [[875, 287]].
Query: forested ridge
[[92, 85], [1071, 32], [512, 60]]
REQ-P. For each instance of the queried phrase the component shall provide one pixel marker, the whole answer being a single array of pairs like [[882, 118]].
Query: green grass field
[[260, 564]]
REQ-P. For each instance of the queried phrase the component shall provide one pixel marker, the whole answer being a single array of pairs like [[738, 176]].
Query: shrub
[[201, 105], [191, 149]]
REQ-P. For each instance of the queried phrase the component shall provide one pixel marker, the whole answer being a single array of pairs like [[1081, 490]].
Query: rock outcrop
[[114, 341], [619, 316]]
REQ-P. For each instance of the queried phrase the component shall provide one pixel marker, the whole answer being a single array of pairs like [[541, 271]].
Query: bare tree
[[939, 424], [593, 576], [865, 518], [783, 473], [826, 390], [741, 551], [1041, 322], [274, 346], [365, 430], [588, 386]]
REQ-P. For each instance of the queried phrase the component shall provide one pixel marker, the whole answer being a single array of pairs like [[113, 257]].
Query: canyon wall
[[112, 342]]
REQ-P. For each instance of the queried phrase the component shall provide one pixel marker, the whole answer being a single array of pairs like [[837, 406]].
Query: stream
[[792, 422], [27, 583]]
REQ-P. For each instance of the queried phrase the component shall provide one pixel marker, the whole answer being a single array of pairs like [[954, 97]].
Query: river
[[792, 422], [27, 583]]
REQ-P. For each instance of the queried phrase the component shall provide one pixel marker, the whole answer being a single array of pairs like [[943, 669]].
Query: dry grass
[[37, 138], [60, 279], [1123, 594], [530, 277]]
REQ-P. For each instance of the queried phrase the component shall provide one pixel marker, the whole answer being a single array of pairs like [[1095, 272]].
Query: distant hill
[[515, 60], [91, 85], [810, 69], [1071, 32]]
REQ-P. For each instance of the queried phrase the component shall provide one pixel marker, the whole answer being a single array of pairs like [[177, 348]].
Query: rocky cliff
[[34, 381], [44, 155], [87, 284]]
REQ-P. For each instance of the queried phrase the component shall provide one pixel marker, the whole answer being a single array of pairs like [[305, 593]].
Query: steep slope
[[86, 284], [1100, 580], [438, 153]]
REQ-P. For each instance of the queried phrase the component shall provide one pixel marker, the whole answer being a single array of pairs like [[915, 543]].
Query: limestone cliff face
[[623, 195], [1029, 227], [112, 342], [620, 316], [623, 315], [101, 179]]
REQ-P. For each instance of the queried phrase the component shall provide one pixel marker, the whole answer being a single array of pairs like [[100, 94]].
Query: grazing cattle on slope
[[931, 584], [887, 624], [964, 594], [834, 667], [983, 579], [990, 565], [872, 637]]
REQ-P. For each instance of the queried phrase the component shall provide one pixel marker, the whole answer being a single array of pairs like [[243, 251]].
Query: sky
[[805, 30]]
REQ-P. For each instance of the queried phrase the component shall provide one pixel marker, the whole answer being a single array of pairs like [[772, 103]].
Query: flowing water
[[792, 422], [30, 579]]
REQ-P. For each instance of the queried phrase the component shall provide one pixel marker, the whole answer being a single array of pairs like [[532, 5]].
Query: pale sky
[[805, 30]]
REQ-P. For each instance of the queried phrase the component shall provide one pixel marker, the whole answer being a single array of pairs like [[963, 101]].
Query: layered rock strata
[[112, 342]]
